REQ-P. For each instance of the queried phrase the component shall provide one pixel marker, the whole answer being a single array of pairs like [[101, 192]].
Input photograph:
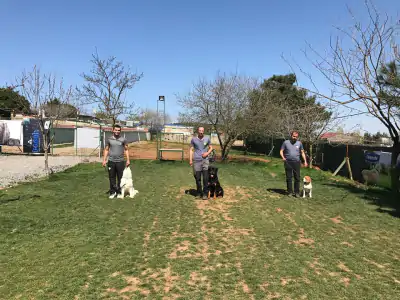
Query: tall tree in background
[[11, 100], [223, 103], [355, 67], [106, 86], [290, 108], [40, 89], [63, 110]]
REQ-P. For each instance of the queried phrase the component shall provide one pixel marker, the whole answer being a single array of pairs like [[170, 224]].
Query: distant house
[[342, 138], [178, 128]]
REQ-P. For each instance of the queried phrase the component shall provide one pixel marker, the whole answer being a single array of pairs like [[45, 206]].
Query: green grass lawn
[[64, 239]]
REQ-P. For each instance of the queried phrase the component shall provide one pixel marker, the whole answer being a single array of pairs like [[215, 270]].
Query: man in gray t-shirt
[[290, 153], [116, 148], [202, 148]]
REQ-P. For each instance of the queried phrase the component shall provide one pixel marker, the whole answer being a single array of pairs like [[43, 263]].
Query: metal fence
[[88, 141], [325, 155]]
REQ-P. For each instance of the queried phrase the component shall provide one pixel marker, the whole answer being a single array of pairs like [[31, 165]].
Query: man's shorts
[[199, 166]]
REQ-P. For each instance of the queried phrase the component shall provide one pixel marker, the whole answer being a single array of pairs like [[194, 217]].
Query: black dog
[[214, 187]]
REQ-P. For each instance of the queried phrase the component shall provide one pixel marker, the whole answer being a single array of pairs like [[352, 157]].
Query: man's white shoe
[[112, 196]]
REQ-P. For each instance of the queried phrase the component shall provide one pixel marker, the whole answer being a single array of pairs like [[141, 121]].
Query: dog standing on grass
[[307, 186], [127, 184]]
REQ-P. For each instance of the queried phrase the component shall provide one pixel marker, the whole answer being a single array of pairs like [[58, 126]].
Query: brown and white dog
[[307, 186]]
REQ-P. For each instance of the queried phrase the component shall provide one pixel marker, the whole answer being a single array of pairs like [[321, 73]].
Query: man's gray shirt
[[292, 151], [117, 148], [200, 146]]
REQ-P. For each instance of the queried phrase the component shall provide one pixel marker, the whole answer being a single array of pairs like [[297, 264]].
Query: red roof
[[328, 135]]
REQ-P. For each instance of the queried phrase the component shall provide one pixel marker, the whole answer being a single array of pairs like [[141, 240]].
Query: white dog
[[307, 186], [127, 184], [370, 176]]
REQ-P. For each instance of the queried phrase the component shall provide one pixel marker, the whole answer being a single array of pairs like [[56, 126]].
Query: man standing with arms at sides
[[290, 153], [116, 147], [200, 161]]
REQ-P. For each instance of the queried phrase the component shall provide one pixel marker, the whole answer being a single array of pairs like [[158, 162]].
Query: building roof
[[328, 135]]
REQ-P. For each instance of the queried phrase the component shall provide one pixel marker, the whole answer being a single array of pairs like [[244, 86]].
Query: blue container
[[36, 141]]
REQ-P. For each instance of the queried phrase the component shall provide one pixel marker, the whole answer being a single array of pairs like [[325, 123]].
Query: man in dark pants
[[116, 147], [290, 153], [200, 161]]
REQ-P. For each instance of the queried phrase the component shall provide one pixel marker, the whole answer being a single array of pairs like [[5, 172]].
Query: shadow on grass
[[16, 198], [384, 198], [278, 191], [191, 192]]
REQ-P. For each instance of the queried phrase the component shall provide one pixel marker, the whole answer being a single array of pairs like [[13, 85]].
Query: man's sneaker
[[205, 197], [112, 195], [297, 195]]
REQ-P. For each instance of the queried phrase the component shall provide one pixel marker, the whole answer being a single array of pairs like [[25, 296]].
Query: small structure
[[176, 137]]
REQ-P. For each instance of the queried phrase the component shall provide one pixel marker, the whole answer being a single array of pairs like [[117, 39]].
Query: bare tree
[[313, 123], [40, 90], [106, 86], [352, 67], [222, 103], [149, 117]]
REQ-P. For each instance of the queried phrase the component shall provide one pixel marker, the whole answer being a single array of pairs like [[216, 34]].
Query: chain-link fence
[[88, 141]]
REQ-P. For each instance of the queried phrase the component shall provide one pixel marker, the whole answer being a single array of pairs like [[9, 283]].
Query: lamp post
[[159, 134], [76, 132]]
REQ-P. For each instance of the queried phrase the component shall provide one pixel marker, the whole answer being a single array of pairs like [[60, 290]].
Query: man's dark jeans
[[201, 168], [115, 170], [198, 182], [292, 169]]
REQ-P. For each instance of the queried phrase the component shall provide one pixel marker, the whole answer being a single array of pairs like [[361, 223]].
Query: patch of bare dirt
[[264, 286], [345, 280], [374, 263], [287, 280], [347, 244], [321, 271], [303, 241], [150, 282], [242, 158], [343, 267], [217, 224], [147, 236], [337, 219], [288, 216], [331, 231], [245, 287]]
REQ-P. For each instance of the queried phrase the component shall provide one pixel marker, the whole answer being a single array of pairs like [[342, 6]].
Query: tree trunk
[[224, 152], [311, 155], [394, 169], [46, 152], [226, 148], [220, 143]]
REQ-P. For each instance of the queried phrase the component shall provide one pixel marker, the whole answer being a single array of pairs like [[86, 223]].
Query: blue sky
[[172, 42]]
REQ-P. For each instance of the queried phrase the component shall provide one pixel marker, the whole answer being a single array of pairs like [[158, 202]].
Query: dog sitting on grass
[[127, 184], [214, 187], [307, 186]]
